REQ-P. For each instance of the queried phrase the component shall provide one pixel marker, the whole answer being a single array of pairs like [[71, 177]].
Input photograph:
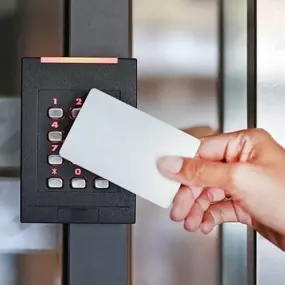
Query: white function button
[[55, 136], [55, 113], [101, 183], [55, 183], [78, 183], [55, 159], [74, 112]]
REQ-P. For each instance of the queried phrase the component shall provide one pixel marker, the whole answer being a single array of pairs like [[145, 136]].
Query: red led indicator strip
[[100, 60]]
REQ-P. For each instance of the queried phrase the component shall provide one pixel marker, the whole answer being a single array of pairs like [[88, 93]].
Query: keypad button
[[55, 183], [75, 112], [55, 159], [55, 113], [55, 136], [78, 183], [100, 183]]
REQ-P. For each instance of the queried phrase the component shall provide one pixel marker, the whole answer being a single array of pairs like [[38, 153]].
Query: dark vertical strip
[[130, 28], [65, 255], [221, 64], [251, 118], [97, 254], [65, 228], [251, 257], [221, 107], [251, 63], [66, 27]]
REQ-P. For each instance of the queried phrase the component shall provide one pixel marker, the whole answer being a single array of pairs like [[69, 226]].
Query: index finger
[[231, 147]]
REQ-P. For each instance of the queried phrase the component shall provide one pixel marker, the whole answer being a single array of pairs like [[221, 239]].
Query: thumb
[[196, 173]]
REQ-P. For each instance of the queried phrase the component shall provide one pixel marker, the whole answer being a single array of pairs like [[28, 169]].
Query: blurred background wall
[[176, 43]]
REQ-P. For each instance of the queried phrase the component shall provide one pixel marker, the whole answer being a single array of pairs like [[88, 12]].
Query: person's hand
[[246, 166]]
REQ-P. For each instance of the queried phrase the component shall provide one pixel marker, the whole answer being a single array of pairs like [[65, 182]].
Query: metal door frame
[[238, 243], [97, 254]]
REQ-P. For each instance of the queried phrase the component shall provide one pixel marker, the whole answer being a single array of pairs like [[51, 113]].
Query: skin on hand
[[247, 166]]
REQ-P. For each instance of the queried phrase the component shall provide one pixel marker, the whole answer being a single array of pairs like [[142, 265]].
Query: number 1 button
[[55, 113]]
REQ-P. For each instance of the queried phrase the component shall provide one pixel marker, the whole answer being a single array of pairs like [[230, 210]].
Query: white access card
[[122, 144]]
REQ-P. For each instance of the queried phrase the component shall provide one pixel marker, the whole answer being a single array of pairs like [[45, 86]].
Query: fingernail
[[170, 164], [205, 228]]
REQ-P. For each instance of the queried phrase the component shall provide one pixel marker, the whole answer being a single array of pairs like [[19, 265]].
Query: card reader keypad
[[53, 92], [62, 109]]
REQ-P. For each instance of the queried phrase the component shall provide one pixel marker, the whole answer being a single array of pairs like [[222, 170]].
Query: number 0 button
[[78, 183]]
